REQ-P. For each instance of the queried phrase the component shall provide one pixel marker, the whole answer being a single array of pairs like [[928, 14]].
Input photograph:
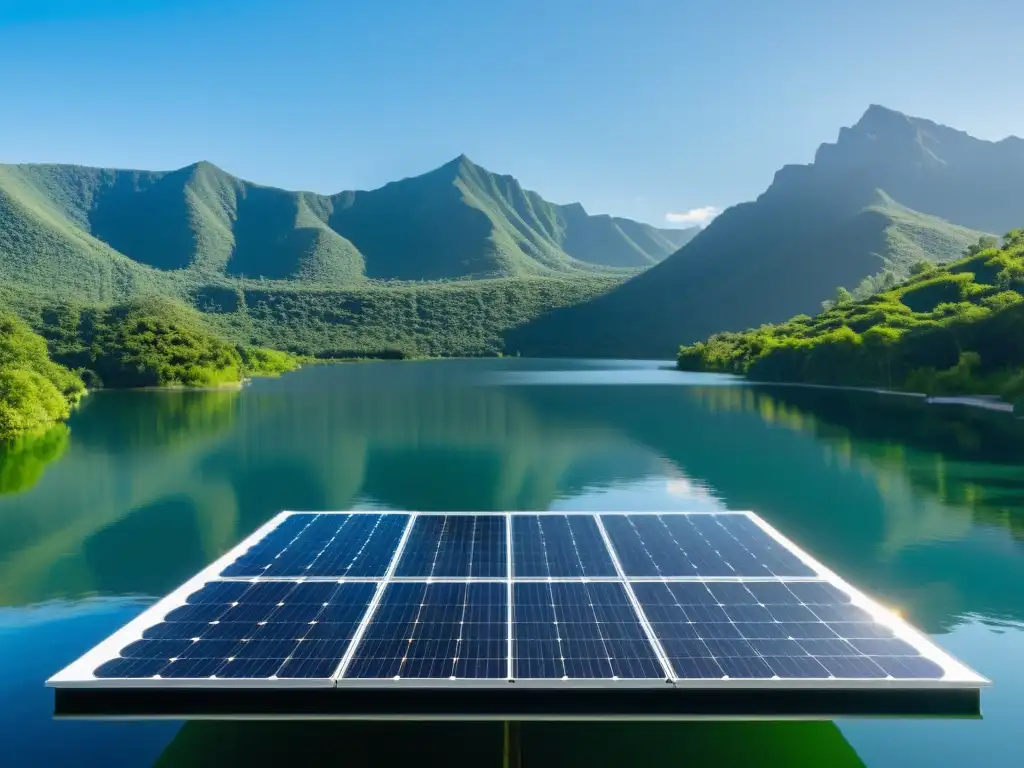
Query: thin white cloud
[[701, 215]]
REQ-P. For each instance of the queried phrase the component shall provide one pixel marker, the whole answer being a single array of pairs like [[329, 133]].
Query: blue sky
[[639, 108]]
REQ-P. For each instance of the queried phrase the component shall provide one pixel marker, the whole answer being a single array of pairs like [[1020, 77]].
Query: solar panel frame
[[79, 674]]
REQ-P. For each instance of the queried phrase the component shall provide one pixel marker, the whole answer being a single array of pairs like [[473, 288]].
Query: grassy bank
[[958, 329]]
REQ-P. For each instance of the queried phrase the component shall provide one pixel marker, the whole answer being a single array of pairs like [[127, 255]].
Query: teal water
[[922, 506]]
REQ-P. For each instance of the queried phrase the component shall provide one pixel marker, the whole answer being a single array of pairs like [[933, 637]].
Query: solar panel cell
[[807, 592], [559, 546], [909, 667], [208, 649], [204, 613], [134, 667], [219, 592], [155, 649], [455, 546], [749, 667], [175, 630]]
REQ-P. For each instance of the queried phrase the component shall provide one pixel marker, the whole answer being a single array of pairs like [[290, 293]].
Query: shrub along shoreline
[[951, 330], [35, 392], [147, 343]]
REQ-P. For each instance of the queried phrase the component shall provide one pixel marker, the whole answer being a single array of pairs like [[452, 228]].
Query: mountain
[[107, 233], [892, 190]]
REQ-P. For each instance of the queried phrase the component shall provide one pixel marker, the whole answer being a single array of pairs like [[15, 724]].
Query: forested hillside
[[94, 232], [949, 330], [891, 191], [440, 264]]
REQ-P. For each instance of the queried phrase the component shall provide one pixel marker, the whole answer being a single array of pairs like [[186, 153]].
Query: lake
[[920, 505]]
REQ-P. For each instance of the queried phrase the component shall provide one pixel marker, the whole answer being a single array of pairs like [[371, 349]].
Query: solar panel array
[[368, 598]]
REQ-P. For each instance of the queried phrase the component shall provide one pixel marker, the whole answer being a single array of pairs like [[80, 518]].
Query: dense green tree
[[985, 242], [921, 267], [35, 392], [843, 296], [154, 342]]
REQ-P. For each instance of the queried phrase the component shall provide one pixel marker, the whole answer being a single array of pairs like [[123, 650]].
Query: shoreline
[[230, 386], [984, 402]]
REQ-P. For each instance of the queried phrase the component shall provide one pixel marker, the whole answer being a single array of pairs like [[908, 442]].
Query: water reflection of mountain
[[963, 456], [895, 516], [155, 485]]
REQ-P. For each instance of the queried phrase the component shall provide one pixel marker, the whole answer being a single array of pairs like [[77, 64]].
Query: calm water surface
[[922, 506]]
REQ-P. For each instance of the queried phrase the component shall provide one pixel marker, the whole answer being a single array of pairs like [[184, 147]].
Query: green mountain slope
[[41, 245], [950, 330], [303, 271], [459, 221], [891, 190]]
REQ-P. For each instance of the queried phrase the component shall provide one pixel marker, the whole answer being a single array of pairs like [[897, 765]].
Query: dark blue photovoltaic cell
[[773, 629], [239, 629], [329, 545], [455, 546], [579, 630], [698, 545], [559, 546], [437, 630]]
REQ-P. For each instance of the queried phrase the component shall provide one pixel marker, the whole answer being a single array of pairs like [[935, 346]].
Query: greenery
[[358, 274], [23, 459], [35, 392], [257, 361], [463, 318], [950, 330], [152, 342], [461, 261]]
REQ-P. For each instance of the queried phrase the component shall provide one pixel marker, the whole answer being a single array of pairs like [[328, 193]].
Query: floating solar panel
[[362, 614]]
